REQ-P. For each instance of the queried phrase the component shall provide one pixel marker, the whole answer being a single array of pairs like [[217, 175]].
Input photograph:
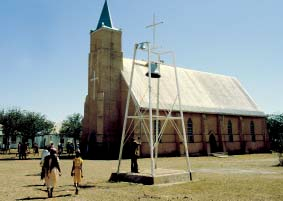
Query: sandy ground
[[246, 177]]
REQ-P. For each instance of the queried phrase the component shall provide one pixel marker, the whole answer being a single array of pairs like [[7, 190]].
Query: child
[[77, 170]]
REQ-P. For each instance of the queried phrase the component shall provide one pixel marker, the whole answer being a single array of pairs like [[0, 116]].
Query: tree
[[24, 123], [72, 127], [10, 120], [275, 130], [34, 124]]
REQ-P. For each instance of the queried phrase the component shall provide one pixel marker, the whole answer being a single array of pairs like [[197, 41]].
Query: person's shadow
[[33, 198], [43, 198]]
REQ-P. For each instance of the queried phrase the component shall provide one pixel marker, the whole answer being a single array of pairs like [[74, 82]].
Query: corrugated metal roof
[[200, 92]]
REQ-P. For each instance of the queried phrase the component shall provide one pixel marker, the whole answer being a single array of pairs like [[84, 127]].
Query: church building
[[219, 114]]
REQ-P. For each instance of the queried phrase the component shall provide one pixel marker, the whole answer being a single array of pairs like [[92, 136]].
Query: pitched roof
[[105, 17], [200, 92]]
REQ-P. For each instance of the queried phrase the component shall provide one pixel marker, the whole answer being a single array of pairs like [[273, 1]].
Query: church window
[[252, 130], [190, 130], [230, 131], [155, 129]]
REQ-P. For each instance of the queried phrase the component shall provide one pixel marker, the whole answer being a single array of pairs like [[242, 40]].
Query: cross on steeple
[[153, 26]]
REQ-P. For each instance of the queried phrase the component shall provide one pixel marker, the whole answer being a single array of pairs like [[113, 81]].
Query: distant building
[[1, 135], [41, 140], [219, 114], [56, 139]]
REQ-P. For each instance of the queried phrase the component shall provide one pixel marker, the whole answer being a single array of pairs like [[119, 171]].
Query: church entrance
[[213, 144]]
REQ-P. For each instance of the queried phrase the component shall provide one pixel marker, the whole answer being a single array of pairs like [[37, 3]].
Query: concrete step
[[162, 176], [220, 154]]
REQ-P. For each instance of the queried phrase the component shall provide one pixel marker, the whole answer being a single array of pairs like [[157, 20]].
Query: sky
[[44, 46]]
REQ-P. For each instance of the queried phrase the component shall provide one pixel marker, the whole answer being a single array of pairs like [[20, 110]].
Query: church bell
[[154, 70]]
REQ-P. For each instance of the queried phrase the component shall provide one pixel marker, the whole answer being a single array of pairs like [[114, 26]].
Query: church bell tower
[[101, 123]]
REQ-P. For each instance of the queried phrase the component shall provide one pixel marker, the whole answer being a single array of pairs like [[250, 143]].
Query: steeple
[[102, 113], [105, 18]]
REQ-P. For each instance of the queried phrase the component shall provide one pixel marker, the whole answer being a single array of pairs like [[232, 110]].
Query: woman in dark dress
[[51, 171]]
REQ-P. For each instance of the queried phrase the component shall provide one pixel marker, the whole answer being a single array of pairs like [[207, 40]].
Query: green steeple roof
[[105, 18]]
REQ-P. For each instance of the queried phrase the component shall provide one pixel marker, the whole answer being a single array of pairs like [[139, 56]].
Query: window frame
[[190, 131], [154, 129], [252, 131], [230, 131]]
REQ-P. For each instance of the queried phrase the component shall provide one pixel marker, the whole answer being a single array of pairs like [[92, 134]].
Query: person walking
[[77, 170], [45, 152], [35, 149], [51, 170], [60, 148], [24, 148], [20, 150]]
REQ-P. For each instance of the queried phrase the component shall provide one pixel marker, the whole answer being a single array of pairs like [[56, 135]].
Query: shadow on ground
[[277, 165], [87, 186], [15, 158], [37, 174], [44, 198], [33, 198], [34, 185]]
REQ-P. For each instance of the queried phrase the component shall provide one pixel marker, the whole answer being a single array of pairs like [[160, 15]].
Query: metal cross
[[153, 25]]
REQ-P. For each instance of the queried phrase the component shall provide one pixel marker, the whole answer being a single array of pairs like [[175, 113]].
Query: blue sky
[[44, 46]]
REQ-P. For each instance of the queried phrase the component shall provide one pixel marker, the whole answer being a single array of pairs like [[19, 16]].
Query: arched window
[[155, 122], [230, 131], [190, 130], [252, 130]]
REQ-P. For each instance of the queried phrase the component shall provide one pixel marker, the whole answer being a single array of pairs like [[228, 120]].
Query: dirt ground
[[244, 177]]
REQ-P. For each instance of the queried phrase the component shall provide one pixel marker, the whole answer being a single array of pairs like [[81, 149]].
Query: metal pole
[[127, 109], [153, 45], [157, 119], [150, 110], [182, 119]]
